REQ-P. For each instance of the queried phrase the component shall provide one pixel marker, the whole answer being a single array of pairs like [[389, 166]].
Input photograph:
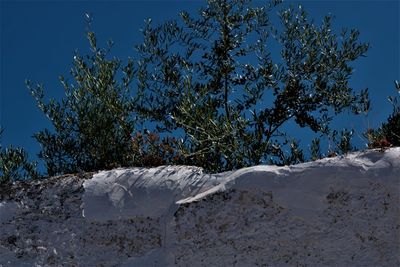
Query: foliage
[[94, 121], [296, 154], [389, 133], [155, 151], [213, 77], [14, 164], [391, 129], [342, 141]]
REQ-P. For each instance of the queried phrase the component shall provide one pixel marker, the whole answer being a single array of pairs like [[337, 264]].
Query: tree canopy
[[219, 88], [214, 77]]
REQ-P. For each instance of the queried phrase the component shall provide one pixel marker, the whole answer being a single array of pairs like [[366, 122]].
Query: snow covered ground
[[341, 211]]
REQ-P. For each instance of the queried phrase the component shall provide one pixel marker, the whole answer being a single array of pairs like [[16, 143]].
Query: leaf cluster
[[94, 121], [389, 132], [15, 165]]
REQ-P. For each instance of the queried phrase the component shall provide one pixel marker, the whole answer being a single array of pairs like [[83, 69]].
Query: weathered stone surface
[[334, 212], [44, 226]]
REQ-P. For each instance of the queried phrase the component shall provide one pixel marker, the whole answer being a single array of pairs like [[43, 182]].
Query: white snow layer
[[123, 193], [341, 211]]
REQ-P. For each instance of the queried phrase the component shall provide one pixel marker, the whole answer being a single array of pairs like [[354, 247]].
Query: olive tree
[[215, 77], [93, 123]]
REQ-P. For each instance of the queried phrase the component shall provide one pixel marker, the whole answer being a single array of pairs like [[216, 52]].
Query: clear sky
[[38, 40]]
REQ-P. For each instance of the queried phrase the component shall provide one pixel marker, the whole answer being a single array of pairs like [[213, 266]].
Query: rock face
[[341, 211]]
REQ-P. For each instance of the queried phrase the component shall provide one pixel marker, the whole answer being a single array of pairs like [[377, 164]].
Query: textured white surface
[[341, 211], [124, 193]]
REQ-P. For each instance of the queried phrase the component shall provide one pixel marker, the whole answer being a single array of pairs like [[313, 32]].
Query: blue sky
[[38, 40]]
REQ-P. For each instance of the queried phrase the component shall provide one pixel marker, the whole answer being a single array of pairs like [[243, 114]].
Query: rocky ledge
[[341, 211]]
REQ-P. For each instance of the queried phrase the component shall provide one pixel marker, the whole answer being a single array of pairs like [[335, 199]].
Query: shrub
[[389, 132], [14, 165], [155, 151], [93, 123]]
